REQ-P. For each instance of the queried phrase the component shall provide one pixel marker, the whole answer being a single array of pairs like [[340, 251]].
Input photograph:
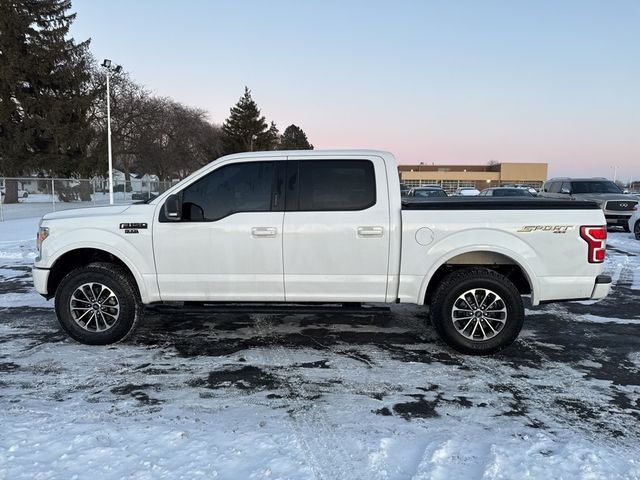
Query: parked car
[[427, 192], [505, 192], [143, 195], [616, 205], [466, 192], [21, 192], [634, 224], [315, 228], [528, 188]]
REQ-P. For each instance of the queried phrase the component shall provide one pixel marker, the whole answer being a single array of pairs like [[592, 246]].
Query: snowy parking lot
[[324, 395]]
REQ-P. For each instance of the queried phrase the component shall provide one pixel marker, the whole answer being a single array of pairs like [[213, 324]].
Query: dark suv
[[617, 206]]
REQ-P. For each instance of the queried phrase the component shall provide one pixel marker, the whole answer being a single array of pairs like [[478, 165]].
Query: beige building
[[451, 177]]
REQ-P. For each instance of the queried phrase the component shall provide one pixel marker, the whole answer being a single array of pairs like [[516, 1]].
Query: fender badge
[[546, 228], [126, 226]]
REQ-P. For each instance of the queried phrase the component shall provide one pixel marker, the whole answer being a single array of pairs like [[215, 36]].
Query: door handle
[[370, 232], [264, 232]]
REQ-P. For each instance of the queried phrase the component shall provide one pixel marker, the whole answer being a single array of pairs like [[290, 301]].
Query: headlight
[[43, 233]]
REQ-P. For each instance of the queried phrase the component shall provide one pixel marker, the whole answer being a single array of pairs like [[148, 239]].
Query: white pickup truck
[[318, 227]]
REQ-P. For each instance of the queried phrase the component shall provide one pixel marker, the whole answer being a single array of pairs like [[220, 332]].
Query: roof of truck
[[310, 153]]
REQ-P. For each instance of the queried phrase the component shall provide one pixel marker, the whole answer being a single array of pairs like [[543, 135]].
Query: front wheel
[[477, 311], [98, 304], [636, 230]]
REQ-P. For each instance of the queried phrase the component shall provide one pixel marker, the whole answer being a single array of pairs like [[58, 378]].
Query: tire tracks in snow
[[309, 420]]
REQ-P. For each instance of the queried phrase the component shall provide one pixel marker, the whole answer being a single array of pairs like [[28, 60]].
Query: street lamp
[[107, 64]]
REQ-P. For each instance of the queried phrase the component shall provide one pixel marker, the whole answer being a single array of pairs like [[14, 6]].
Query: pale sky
[[446, 81]]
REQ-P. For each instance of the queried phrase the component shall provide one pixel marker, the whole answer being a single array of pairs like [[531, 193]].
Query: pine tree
[[294, 138], [271, 138], [245, 130], [44, 94]]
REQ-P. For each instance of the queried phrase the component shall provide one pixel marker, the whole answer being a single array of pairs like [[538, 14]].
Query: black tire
[[25, 194], [506, 298], [636, 230], [117, 293]]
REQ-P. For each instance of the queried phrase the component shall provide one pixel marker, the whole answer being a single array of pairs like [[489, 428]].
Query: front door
[[228, 244]]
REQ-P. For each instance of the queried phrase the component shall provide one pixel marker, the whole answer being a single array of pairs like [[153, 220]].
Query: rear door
[[336, 230]]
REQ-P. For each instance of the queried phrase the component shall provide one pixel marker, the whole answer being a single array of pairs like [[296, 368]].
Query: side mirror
[[173, 207], [566, 191]]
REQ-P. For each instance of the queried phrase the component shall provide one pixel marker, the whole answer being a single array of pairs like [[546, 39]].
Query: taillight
[[596, 238]]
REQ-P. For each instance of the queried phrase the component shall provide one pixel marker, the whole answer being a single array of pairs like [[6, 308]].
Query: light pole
[[107, 64]]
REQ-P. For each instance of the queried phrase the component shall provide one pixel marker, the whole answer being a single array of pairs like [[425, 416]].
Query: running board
[[273, 308]]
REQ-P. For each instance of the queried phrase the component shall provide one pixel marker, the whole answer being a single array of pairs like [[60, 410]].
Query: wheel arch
[[78, 257], [501, 260]]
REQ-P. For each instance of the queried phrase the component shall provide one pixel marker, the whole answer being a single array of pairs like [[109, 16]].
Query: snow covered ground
[[319, 396], [37, 204]]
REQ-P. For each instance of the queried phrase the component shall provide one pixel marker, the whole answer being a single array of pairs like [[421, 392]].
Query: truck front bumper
[[617, 220], [602, 287], [40, 280]]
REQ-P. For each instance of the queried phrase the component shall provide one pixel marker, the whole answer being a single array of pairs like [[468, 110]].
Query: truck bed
[[488, 203]]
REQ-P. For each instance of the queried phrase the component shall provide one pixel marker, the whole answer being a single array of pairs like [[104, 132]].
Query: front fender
[[142, 269]]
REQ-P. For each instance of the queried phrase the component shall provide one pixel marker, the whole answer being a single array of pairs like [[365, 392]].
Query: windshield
[[429, 193], [596, 186]]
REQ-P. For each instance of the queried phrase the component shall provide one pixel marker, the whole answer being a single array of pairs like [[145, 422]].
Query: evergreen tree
[[44, 90], [245, 130], [294, 138], [271, 139]]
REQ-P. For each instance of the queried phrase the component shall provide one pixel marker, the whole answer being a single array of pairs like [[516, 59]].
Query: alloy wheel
[[94, 307], [479, 314]]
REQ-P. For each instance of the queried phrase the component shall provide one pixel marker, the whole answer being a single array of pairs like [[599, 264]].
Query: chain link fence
[[38, 196]]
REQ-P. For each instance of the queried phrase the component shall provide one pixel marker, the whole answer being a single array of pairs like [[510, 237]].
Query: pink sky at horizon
[[461, 82]]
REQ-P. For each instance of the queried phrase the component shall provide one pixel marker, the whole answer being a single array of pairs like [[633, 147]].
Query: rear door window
[[336, 185]]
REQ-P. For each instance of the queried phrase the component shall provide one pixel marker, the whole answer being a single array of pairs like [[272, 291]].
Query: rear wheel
[[98, 304], [477, 311]]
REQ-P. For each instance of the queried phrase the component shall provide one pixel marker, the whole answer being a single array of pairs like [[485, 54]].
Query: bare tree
[[176, 139], [128, 107]]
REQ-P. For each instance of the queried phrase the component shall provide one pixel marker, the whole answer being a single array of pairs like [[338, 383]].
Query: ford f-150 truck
[[317, 227]]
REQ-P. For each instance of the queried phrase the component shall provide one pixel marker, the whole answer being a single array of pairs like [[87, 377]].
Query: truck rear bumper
[[40, 280], [602, 287], [577, 289], [564, 289]]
